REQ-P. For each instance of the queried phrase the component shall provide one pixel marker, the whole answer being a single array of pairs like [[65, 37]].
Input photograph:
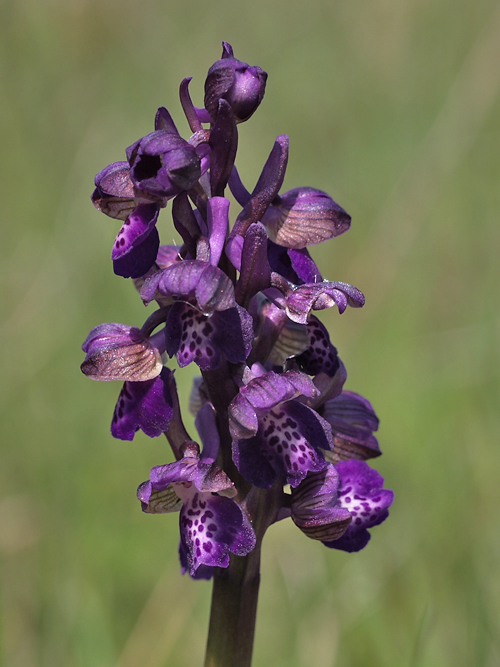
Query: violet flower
[[239, 296]]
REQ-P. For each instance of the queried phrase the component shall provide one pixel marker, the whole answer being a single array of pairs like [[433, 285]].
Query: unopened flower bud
[[242, 85]]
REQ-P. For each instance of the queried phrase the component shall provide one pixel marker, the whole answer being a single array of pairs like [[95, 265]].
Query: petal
[[304, 266], [114, 193], [309, 297], [211, 527], [261, 395], [192, 279], [143, 405], [361, 493], [201, 572]]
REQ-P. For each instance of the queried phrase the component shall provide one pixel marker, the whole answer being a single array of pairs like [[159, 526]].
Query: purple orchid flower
[[211, 525], [361, 493], [274, 435]]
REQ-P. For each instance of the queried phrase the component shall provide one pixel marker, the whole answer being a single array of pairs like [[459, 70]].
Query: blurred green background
[[392, 106]]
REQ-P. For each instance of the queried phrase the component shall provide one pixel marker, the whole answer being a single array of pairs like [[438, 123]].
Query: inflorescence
[[270, 408]]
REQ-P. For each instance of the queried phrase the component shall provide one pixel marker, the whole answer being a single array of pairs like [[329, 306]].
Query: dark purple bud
[[120, 352], [242, 85], [303, 217]]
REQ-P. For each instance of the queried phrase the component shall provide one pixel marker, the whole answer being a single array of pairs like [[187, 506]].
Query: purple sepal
[[314, 508], [163, 163], [353, 421], [143, 405], [303, 217], [361, 493], [289, 443], [260, 395], [192, 280], [242, 85], [192, 336], [321, 355], [212, 527], [119, 352], [305, 298]]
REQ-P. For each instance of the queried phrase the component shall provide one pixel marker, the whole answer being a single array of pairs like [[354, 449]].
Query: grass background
[[393, 108]]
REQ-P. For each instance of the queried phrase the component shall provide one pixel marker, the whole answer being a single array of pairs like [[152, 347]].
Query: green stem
[[236, 589], [234, 611]]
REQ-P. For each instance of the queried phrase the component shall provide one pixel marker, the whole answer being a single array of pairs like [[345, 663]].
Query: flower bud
[[242, 85]]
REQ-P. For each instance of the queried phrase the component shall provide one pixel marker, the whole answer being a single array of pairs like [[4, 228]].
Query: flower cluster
[[240, 301]]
